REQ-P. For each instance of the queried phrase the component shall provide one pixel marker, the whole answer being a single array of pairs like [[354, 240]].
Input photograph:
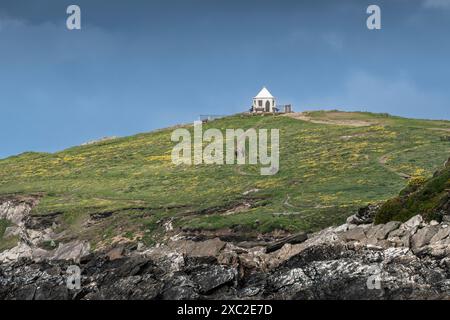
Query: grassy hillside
[[330, 163]]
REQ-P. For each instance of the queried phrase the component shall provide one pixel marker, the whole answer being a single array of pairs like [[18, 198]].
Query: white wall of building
[[265, 100], [262, 103]]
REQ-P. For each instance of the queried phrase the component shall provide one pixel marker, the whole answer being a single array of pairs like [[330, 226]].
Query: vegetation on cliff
[[429, 198]]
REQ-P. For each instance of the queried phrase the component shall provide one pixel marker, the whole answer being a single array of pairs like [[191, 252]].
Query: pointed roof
[[264, 93]]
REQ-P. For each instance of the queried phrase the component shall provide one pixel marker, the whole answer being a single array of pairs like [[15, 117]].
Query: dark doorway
[[267, 106]]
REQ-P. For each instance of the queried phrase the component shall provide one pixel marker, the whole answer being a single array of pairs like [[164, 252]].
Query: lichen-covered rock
[[358, 234], [17, 211], [423, 236], [22, 250], [74, 251], [413, 223], [441, 234], [384, 231]]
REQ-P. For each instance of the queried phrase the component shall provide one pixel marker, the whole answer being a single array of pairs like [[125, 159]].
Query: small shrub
[[389, 210], [413, 185], [3, 225], [421, 196], [49, 245]]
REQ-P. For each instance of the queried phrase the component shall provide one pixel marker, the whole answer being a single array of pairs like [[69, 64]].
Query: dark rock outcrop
[[336, 263], [364, 215], [294, 239]]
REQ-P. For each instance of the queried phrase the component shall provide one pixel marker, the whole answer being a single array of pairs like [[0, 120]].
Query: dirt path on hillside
[[384, 159], [241, 172], [286, 202], [440, 129], [351, 123]]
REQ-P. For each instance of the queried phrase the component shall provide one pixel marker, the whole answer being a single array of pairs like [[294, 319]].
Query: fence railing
[[210, 117], [286, 108]]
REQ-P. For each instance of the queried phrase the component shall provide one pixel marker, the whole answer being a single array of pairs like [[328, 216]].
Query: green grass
[[3, 225], [6, 243], [326, 171]]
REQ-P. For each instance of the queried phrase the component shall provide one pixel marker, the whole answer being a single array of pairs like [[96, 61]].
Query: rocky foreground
[[357, 260]]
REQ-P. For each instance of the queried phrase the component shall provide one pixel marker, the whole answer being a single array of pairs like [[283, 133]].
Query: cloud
[[310, 39], [334, 40], [51, 42], [400, 96], [437, 4], [10, 23]]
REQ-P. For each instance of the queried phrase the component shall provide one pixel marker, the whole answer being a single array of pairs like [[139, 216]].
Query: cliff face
[[390, 261], [26, 234]]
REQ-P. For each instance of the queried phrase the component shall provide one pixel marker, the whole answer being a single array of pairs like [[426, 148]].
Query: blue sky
[[140, 65]]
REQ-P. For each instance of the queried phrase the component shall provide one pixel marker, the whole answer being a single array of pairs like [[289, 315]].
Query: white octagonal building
[[264, 102]]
